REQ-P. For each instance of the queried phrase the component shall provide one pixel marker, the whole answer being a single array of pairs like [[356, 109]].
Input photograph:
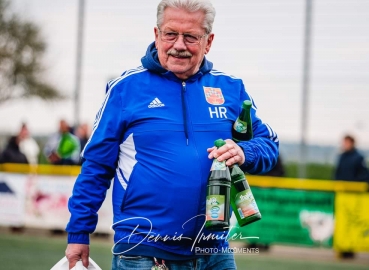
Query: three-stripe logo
[[156, 103]]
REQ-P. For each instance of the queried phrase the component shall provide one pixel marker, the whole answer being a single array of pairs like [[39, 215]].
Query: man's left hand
[[230, 152]]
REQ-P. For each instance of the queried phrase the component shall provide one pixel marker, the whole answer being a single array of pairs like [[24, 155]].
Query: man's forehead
[[182, 15], [180, 20]]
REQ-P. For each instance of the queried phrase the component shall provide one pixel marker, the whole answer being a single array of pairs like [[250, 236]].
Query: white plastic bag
[[63, 264]]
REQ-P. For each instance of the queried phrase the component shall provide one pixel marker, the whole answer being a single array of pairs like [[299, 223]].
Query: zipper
[[184, 110]]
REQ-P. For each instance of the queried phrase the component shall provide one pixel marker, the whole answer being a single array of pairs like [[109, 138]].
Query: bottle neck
[[218, 165], [240, 184], [237, 173], [245, 115]]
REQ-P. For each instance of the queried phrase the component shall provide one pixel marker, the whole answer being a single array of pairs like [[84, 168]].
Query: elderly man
[[153, 136]]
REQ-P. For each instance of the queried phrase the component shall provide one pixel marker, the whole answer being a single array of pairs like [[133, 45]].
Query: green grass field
[[20, 251]]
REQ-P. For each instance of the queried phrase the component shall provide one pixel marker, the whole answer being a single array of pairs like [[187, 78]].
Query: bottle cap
[[219, 143], [247, 104]]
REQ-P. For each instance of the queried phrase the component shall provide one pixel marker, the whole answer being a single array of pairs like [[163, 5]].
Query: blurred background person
[[83, 134], [63, 148], [351, 165], [28, 146], [12, 153]]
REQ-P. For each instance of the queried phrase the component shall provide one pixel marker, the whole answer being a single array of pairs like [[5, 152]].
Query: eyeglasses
[[188, 39]]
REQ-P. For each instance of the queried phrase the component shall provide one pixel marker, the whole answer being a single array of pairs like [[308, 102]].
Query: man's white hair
[[191, 6]]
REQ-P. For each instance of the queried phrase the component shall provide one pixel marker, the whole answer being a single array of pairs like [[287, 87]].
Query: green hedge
[[313, 170]]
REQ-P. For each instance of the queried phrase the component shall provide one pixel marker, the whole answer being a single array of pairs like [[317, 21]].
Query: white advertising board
[[41, 201], [12, 199]]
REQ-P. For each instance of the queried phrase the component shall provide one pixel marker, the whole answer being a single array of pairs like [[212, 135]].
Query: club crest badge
[[214, 96]]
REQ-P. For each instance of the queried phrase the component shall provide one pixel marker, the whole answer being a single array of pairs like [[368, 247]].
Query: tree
[[21, 51]]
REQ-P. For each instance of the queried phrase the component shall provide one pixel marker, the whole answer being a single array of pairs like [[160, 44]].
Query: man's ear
[[209, 41], [156, 32]]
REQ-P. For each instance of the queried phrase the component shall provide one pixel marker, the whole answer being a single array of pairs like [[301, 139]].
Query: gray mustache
[[174, 52]]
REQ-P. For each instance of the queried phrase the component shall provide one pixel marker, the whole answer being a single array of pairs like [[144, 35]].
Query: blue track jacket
[[150, 138]]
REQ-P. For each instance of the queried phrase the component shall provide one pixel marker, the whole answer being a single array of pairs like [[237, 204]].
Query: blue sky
[[258, 41]]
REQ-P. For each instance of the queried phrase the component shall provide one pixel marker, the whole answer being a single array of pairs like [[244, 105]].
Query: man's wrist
[[79, 238], [249, 154]]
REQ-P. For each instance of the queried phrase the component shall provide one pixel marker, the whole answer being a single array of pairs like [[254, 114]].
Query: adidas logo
[[156, 103]]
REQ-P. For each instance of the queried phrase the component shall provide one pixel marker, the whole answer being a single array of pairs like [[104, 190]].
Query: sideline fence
[[295, 211]]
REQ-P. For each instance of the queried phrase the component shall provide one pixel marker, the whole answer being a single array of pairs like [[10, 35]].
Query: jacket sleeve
[[99, 159], [261, 152]]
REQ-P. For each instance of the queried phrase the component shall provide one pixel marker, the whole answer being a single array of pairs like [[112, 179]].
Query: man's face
[[24, 133], [347, 145], [63, 127], [181, 21]]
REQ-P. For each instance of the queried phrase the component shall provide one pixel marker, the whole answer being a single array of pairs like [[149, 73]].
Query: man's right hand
[[77, 252]]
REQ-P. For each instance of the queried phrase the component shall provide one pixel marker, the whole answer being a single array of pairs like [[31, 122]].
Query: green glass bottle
[[242, 127], [218, 195], [242, 200]]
